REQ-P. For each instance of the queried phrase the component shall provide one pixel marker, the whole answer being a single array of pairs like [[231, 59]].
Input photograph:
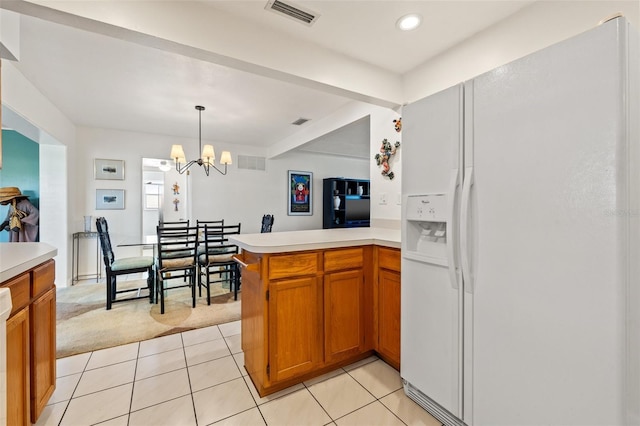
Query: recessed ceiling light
[[409, 22]]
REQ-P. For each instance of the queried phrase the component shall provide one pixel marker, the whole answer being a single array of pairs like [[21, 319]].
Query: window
[[152, 196]]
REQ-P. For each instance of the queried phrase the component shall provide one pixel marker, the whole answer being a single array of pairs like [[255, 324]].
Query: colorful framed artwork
[[108, 169], [300, 186], [109, 199]]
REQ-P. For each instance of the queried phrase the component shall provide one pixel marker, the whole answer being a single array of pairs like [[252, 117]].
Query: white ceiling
[[106, 82]]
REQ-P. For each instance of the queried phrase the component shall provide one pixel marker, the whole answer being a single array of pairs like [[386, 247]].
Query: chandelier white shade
[[207, 157]]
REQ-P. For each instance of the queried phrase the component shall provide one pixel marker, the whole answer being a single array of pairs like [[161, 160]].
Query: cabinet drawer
[[43, 278], [19, 287], [293, 265], [389, 259], [335, 260]]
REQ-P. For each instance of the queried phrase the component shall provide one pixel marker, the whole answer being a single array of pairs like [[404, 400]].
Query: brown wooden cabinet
[[18, 368], [346, 310], [295, 327], [344, 331], [305, 313], [31, 343], [388, 306], [43, 350]]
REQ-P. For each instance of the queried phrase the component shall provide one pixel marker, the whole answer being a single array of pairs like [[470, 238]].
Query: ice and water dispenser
[[426, 228]]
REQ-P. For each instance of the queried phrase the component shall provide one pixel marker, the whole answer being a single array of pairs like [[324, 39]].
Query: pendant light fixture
[[207, 157]]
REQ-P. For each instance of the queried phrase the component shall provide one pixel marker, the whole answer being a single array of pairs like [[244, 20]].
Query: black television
[[356, 210]]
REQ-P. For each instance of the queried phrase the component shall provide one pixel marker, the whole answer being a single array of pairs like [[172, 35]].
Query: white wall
[[240, 196], [382, 127], [27, 110], [53, 206], [532, 28]]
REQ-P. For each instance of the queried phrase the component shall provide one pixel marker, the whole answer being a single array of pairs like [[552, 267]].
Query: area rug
[[83, 323]]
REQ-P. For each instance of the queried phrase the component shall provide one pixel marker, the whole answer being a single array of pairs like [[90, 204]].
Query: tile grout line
[[193, 402], [376, 398], [74, 389]]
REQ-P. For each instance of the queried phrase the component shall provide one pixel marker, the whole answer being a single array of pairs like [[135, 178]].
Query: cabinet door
[[295, 327], [389, 316], [43, 351], [344, 330], [18, 369]]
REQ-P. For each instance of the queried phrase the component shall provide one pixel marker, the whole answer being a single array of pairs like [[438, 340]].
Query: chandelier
[[207, 157]]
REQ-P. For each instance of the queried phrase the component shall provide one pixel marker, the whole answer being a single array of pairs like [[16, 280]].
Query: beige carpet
[[84, 325]]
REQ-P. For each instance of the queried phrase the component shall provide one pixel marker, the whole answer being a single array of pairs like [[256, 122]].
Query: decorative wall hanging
[[175, 204], [108, 169], [109, 199], [398, 124], [386, 152], [175, 188], [300, 193]]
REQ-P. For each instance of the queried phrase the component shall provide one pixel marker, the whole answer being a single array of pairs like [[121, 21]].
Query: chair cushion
[[184, 262], [216, 258], [132, 263], [177, 254]]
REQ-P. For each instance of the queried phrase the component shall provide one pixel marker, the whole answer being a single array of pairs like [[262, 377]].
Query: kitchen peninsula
[[28, 270], [316, 300]]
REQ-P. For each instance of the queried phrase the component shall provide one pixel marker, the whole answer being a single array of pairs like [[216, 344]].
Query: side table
[[75, 259]]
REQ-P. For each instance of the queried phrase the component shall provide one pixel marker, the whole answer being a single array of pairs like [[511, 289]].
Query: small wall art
[[108, 169], [387, 151], [109, 199], [300, 187]]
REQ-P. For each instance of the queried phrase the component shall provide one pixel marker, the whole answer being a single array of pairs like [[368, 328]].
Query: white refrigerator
[[521, 240]]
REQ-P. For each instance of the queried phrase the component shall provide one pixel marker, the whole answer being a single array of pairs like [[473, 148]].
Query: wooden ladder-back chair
[[128, 265], [216, 259], [177, 251]]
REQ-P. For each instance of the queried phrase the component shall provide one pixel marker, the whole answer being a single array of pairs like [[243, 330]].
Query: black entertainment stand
[[353, 208]]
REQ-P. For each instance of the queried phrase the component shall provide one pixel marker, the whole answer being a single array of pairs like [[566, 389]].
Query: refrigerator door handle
[[452, 237], [465, 250]]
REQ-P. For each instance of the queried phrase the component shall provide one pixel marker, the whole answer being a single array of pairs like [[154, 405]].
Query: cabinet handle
[[255, 267]]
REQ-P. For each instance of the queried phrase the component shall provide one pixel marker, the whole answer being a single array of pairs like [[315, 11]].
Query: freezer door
[[432, 142], [544, 329], [430, 349], [431, 326]]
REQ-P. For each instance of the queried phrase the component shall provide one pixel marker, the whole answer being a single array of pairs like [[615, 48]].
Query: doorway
[[165, 194]]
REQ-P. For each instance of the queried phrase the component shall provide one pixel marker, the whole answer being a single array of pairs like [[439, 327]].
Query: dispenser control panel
[[432, 207]]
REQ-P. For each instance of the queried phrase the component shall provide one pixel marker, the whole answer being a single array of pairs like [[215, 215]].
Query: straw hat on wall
[[9, 193]]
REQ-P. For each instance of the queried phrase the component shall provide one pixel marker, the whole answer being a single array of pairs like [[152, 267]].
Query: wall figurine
[[397, 124], [387, 150]]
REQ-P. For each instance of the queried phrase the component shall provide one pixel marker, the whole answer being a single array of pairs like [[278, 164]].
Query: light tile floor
[[197, 378]]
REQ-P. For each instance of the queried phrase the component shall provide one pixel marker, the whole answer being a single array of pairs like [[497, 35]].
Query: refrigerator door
[[431, 333], [544, 318]]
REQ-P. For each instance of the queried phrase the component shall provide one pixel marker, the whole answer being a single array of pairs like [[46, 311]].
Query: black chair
[[202, 223], [175, 224], [267, 223], [216, 259], [177, 251], [129, 265]]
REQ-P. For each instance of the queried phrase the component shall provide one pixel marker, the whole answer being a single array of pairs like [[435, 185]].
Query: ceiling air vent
[[290, 11], [300, 121]]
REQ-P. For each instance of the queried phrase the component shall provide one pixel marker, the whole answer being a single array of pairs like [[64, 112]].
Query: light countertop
[[280, 242], [15, 258]]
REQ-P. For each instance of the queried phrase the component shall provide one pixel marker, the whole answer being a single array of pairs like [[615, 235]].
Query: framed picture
[[108, 169], [109, 199], [300, 197]]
